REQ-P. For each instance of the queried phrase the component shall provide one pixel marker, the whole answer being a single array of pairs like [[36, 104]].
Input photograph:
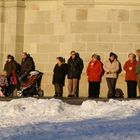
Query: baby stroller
[[32, 86]]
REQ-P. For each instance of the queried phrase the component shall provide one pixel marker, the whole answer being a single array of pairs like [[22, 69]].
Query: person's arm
[[14, 67], [66, 69], [125, 67], [87, 71], [100, 69], [5, 67], [30, 65], [81, 65], [54, 68], [105, 67]]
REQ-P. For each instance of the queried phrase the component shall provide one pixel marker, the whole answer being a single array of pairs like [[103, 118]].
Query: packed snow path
[[38, 119]]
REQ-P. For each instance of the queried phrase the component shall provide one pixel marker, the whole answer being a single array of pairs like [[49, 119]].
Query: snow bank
[[30, 114], [30, 110]]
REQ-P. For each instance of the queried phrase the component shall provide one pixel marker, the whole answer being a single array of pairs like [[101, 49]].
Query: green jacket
[[138, 67]]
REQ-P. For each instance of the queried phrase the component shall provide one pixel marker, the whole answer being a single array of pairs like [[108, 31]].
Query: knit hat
[[112, 54]]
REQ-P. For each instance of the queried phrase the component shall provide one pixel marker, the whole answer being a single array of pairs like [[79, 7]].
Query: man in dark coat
[[75, 67], [27, 65]]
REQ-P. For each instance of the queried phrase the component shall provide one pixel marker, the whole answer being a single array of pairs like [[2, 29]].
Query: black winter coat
[[10, 67], [59, 74], [27, 65], [75, 67]]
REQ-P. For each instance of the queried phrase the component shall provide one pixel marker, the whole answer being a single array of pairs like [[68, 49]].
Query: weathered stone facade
[[50, 28]]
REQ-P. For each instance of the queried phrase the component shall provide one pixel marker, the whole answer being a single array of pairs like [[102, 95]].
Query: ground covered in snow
[[38, 119]]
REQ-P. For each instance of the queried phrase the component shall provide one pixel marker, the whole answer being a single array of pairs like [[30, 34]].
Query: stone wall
[[50, 28]]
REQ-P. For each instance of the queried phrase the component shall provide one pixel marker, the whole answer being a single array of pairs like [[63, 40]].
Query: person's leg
[[94, 90], [60, 94], [113, 83], [97, 89], [77, 91], [128, 89], [109, 84], [90, 89], [138, 82], [133, 89], [70, 86], [75, 86], [56, 90], [10, 90]]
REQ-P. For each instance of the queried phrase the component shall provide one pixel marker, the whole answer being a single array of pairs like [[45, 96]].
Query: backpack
[[119, 93]]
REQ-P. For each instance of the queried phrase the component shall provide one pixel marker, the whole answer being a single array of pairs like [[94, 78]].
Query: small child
[[3, 83]]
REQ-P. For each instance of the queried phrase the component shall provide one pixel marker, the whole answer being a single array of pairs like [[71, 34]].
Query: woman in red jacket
[[130, 76], [94, 73]]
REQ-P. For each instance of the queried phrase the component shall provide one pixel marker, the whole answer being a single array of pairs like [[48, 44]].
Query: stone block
[[32, 29], [48, 48], [59, 28], [116, 28], [123, 15], [135, 16], [89, 38], [79, 47], [43, 16], [41, 58], [130, 28], [108, 38], [99, 47], [97, 14], [136, 46], [91, 27], [130, 38], [57, 38], [40, 67], [123, 47], [81, 14], [118, 15]]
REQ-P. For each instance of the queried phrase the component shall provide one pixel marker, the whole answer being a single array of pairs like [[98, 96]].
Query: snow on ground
[[42, 119]]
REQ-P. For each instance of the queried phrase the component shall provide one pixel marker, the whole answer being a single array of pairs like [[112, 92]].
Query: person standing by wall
[[94, 73], [60, 71], [138, 70], [130, 76], [10, 68], [27, 65], [75, 67], [111, 67]]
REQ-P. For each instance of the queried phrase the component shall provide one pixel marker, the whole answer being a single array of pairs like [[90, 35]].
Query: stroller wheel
[[19, 93], [40, 93]]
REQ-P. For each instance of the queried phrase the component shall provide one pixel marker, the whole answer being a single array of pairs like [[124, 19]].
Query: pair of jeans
[[111, 83]]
